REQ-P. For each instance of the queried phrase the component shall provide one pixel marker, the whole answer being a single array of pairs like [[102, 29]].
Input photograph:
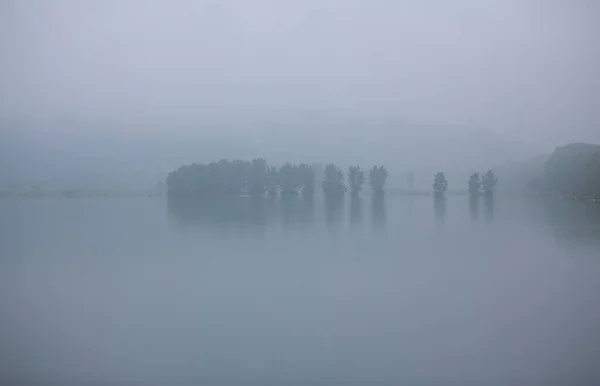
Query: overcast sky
[[521, 69]]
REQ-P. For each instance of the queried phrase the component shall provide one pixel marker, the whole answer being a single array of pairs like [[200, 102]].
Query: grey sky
[[521, 69]]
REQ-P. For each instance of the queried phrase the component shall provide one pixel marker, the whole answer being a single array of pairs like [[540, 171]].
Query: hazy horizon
[[431, 270], [149, 85]]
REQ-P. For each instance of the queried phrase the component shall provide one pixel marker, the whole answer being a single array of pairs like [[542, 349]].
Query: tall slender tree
[[333, 184], [488, 183], [356, 179], [474, 184], [377, 177], [440, 185]]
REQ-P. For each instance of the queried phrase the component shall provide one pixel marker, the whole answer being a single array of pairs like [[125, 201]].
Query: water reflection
[[355, 210], [439, 206], [334, 212], [241, 212], [296, 210], [378, 212], [568, 220], [231, 211], [489, 207], [573, 221], [474, 207], [164, 296]]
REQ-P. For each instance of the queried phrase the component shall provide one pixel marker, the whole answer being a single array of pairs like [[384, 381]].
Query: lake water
[[398, 291]]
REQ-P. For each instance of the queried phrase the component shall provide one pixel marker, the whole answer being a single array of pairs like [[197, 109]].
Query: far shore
[[149, 193], [74, 193]]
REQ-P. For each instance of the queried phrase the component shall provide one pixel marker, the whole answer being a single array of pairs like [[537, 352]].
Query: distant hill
[[573, 168], [570, 169]]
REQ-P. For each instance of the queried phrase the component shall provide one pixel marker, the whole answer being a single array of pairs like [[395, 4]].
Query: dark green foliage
[[356, 179], [488, 183], [474, 184], [440, 185], [333, 183], [377, 178]]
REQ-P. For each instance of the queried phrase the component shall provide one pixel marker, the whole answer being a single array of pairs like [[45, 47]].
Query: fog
[[132, 83], [272, 277]]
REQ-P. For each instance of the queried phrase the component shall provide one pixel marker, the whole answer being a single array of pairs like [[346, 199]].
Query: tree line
[[257, 178], [477, 184]]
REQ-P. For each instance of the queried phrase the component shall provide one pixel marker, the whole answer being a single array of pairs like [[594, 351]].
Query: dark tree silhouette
[[440, 185], [474, 184], [216, 178], [377, 178], [225, 178], [333, 184], [356, 179], [488, 183]]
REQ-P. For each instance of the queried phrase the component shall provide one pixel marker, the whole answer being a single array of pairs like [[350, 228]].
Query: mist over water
[[104, 104], [375, 290]]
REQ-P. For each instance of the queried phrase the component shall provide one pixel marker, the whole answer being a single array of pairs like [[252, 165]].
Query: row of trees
[[256, 178], [485, 184]]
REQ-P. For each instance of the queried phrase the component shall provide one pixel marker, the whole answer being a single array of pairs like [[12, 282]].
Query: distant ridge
[[573, 169]]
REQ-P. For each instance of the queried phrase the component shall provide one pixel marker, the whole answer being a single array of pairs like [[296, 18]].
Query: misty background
[[211, 286], [118, 93]]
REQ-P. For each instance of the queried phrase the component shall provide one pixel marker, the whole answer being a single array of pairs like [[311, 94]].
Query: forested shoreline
[[257, 178], [571, 171]]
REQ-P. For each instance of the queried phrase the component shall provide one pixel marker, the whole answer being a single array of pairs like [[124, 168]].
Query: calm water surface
[[371, 292]]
